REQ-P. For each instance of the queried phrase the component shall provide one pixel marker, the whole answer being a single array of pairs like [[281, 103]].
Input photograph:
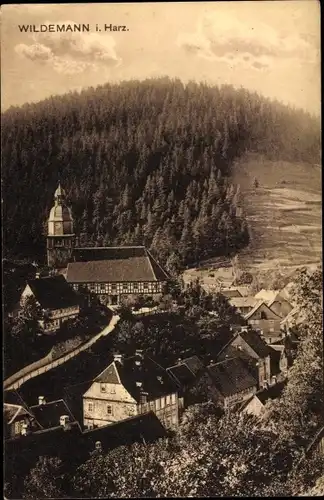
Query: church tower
[[60, 235]]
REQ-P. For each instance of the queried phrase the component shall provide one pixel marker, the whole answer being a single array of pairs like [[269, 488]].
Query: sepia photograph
[[162, 250]]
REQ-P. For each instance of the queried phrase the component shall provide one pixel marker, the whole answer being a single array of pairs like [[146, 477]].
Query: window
[[113, 389], [145, 286], [125, 287], [263, 315], [90, 407], [109, 410], [131, 410], [114, 287], [271, 329], [102, 287], [135, 286], [17, 427], [102, 388]]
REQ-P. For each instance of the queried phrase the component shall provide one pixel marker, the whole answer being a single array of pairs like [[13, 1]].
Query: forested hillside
[[143, 162]]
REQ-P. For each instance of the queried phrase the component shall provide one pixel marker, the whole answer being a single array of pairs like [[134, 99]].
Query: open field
[[284, 215]]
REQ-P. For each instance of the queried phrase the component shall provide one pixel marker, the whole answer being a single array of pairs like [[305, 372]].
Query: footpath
[[45, 364]]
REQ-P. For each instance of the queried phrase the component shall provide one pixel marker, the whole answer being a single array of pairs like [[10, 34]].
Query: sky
[[271, 47]]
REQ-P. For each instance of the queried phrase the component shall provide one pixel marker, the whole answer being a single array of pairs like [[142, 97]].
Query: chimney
[[139, 384], [138, 357], [65, 421], [118, 358], [98, 446], [179, 361], [41, 400], [37, 276]]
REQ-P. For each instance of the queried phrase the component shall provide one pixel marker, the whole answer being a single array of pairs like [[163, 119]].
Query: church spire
[[59, 194]]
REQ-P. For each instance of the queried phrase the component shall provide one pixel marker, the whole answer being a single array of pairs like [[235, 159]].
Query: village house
[[57, 300], [186, 373], [276, 300], [18, 421], [232, 382], [264, 319], [115, 272], [128, 387], [253, 350], [244, 304], [53, 414], [278, 362], [231, 293]]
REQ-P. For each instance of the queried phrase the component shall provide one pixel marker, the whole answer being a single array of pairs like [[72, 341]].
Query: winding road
[[45, 364]]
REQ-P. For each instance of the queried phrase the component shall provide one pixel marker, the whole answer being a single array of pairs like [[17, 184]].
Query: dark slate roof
[[53, 292], [186, 370], [48, 414], [254, 340], [113, 264], [109, 375], [231, 376], [230, 294], [141, 428], [154, 379], [272, 392], [11, 412]]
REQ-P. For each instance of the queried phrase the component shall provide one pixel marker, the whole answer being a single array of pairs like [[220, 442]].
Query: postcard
[[162, 249]]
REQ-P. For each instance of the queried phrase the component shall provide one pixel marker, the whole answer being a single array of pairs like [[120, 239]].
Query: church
[[108, 272]]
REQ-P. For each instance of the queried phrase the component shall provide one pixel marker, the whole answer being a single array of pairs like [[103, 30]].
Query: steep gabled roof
[[109, 375], [114, 264], [186, 370], [140, 428], [231, 293], [239, 302], [53, 292], [134, 370], [256, 307], [231, 376], [259, 346], [48, 414], [11, 412], [272, 392], [266, 295]]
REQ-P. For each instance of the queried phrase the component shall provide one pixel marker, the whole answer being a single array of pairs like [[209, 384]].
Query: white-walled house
[[128, 387], [57, 300], [115, 272]]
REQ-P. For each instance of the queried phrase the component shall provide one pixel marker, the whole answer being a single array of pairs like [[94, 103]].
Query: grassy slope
[[284, 212], [284, 215]]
